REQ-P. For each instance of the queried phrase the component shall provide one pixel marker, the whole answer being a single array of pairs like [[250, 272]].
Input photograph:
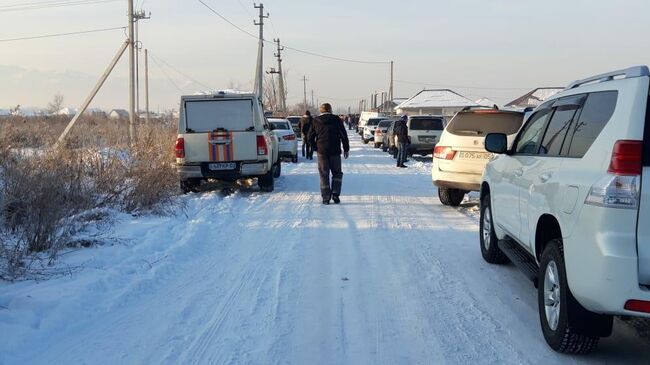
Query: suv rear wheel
[[489, 247], [266, 182], [567, 326], [277, 169], [452, 197]]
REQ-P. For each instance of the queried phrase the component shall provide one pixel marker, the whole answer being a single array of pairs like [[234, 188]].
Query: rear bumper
[[201, 171], [287, 153], [602, 262], [455, 180]]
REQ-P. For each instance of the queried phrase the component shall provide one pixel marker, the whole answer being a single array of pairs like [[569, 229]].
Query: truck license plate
[[474, 155], [223, 166]]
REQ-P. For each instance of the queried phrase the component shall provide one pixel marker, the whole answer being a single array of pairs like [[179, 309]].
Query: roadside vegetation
[[48, 196]]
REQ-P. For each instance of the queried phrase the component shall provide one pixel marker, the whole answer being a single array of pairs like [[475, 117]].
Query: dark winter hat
[[404, 118], [307, 113]]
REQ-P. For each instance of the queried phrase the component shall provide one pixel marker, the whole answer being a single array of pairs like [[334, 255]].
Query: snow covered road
[[388, 277]]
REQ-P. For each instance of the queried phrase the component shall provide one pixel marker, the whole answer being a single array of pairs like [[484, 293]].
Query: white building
[[118, 114], [443, 102], [533, 98]]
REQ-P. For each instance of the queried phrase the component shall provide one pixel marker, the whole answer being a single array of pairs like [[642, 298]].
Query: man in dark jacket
[[305, 126], [327, 134], [401, 133]]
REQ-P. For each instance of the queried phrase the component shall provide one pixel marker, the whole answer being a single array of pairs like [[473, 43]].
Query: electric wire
[[60, 34], [462, 87], [179, 71], [289, 47], [167, 75], [48, 5]]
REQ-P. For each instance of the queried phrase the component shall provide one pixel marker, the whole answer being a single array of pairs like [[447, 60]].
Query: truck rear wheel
[[266, 182], [567, 326], [277, 169], [451, 197], [190, 185]]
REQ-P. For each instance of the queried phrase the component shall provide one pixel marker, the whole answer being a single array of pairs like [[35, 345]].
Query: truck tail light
[[638, 306], [262, 148], [179, 148], [444, 153], [620, 188]]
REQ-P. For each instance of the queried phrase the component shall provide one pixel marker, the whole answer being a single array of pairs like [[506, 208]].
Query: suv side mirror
[[496, 143]]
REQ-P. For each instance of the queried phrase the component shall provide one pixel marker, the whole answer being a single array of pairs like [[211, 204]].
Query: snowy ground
[[388, 277]]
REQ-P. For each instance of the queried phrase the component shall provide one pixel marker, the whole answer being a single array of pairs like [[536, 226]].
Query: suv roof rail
[[479, 107], [637, 71]]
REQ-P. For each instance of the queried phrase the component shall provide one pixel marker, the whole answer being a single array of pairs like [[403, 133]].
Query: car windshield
[[374, 121], [427, 124], [294, 120], [210, 115], [280, 125], [482, 123], [384, 123]]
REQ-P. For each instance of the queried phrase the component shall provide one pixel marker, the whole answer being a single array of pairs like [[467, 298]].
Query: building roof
[[534, 98], [486, 102], [438, 98], [120, 112]]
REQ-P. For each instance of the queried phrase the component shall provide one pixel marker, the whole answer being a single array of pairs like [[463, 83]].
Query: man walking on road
[[305, 126], [327, 134], [402, 135]]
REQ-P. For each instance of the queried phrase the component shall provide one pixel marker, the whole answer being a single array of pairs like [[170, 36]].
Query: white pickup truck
[[225, 136]]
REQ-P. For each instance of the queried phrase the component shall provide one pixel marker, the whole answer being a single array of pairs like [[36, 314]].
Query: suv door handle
[[519, 172], [545, 176]]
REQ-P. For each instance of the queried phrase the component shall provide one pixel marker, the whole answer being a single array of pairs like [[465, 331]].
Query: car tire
[[451, 197], [266, 182], [190, 185], [489, 242], [277, 169], [567, 326], [294, 159]]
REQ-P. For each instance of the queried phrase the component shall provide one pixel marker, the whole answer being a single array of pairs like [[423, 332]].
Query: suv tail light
[[262, 148], [289, 137], [638, 306], [620, 189], [444, 153], [179, 148]]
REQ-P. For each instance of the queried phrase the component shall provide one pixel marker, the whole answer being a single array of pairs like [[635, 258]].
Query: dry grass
[[48, 195]]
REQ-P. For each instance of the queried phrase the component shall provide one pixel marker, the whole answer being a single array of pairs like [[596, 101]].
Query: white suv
[[225, 137], [569, 204], [460, 157], [424, 133]]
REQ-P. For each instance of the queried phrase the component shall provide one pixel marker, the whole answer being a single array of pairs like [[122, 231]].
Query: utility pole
[[283, 95], [304, 90], [137, 16], [146, 84], [131, 73], [312, 98], [272, 72], [259, 77], [390, 88]]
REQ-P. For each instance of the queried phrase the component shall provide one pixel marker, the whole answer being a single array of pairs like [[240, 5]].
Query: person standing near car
[[305, 127], [328, 134], [401, 132]]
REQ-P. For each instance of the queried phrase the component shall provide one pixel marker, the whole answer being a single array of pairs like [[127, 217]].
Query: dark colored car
[[294, 124], [388, 141], [381, 129]]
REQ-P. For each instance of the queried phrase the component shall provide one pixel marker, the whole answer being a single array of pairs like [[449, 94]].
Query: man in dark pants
[[327, 134], [305, 126], [402, 135]]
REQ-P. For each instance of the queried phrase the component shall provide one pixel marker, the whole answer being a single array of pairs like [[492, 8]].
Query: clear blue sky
[[487, 45]]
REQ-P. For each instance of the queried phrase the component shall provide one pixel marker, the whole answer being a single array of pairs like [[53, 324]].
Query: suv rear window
[[374, 121], [596, 112], [209, 115], [480, 124], [385, 123], [427, 124], [279, 125]]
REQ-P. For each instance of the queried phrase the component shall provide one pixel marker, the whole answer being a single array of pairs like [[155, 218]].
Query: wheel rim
[[487, 228], [552, 295]]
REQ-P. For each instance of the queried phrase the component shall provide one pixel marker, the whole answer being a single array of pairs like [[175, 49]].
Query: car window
[[557, 130], [426, 124], [373, 122], [598, 109], [280, 125], [482, 123], [384, 123], [210, 115], [528, 141]]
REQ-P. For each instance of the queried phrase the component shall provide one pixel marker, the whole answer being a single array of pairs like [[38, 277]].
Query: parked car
[[569, 204], [363, 119], [287, 141], [424, 132], [381, 129], [388, 144], [369, 129], [225, 137], [460, 157], [295, 121]]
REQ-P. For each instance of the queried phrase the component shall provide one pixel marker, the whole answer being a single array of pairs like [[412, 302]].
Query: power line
[[293, 48], [179, 71], [61, 34], [50, 4], [462, 87], [167, 75]]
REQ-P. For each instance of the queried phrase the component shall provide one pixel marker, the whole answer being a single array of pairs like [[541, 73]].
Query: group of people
[[326, 134]]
